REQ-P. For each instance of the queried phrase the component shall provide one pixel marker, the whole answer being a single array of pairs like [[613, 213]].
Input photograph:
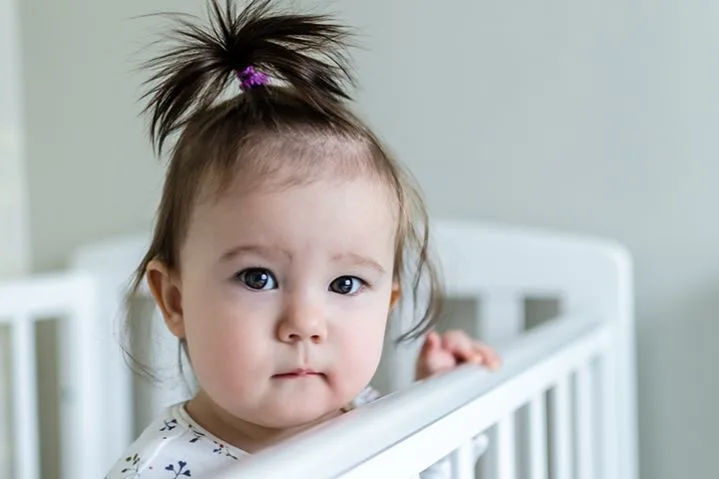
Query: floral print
[[175, 446], [134, 462], [180, 469], [197, 435], [223, 450]]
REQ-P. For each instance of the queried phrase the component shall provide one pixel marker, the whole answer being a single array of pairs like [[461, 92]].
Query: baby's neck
[[239, 433]]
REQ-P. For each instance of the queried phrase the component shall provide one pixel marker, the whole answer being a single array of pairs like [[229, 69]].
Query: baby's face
[[285, 295]]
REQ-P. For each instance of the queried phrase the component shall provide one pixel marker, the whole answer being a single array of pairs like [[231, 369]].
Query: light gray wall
[[14, 250], [597, 117], [91, 171]]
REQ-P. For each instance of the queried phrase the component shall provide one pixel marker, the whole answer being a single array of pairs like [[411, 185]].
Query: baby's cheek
[[228, 373], [221, 355], [360, 355]]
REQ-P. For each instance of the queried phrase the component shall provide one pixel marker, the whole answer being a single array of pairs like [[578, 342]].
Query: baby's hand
[[447, 351]]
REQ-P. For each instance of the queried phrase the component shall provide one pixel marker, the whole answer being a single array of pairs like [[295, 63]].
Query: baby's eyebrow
[[360, 261], [257, 249], [353, 258]]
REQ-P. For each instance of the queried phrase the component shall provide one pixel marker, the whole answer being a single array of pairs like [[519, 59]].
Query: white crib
[[562, 406]]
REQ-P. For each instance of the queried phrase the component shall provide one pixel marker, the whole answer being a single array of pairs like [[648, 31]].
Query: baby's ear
[[396, 295], [165, 288]]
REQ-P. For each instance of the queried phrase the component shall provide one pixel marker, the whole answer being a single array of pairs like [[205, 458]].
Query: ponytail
[[303, 52]]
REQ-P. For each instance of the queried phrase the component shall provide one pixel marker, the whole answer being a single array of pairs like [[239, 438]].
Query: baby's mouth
[[299, 374]]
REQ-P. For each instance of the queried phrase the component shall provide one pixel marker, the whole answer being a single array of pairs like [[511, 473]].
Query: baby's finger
[[467, 350], [489, 356], [462, 348], [457, 342], [431, 342]]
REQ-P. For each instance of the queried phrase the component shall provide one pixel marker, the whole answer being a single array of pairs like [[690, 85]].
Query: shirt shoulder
[[368, 395], [173, 446]]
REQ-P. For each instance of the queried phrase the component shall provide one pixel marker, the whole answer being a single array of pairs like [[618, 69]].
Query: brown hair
[[221, 134]]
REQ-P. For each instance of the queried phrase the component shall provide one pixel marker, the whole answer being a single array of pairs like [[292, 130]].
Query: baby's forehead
[[295, 158], [347, 198], [327, 219], [329, 186], [274, 166]]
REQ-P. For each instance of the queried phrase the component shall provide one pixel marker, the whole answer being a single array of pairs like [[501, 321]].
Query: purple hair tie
[[250, 78]]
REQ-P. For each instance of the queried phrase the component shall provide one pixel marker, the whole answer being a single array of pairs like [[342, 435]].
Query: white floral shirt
[[175, 446]]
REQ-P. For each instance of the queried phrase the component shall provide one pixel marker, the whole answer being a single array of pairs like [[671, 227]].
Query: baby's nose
[[303, 324]]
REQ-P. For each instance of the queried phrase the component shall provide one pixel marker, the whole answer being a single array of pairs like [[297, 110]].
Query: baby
[[285, 237]]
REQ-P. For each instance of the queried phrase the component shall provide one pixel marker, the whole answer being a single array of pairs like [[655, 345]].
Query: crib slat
[[607, 422], [585, 423], [561, 430], [537, 438], [26, 445], [118, 377], [462, 460], [506, 450], [83, 431]]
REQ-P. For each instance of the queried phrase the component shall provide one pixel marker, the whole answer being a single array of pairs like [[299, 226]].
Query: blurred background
[[593, 117]]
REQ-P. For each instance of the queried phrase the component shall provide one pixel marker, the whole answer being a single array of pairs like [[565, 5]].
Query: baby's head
[[285, 230]]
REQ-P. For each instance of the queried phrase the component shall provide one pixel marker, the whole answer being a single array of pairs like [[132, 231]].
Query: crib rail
[[71, 300], [402, 434]]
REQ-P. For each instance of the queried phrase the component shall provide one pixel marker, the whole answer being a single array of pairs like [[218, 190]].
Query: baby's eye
[[347, 285], [257, 278]]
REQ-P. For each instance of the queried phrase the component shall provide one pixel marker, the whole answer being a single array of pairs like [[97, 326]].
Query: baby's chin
[[296, 416]]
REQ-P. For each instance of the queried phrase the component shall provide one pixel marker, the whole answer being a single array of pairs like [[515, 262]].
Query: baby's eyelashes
[[259, 279], [348, 285], [262, 279]]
